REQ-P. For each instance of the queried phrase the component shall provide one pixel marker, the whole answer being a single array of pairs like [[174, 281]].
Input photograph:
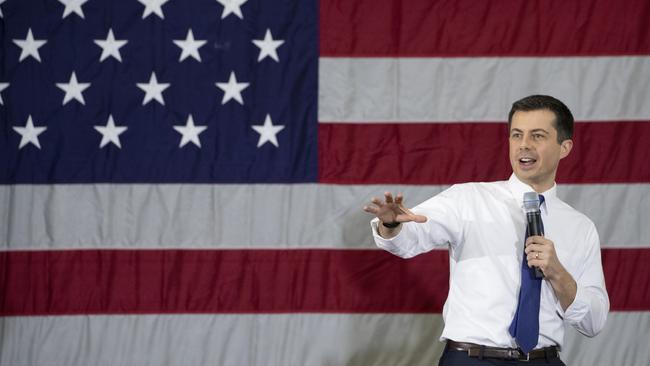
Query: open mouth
[[527, 162]]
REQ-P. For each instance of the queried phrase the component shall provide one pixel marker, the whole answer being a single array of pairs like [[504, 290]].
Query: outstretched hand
[[390, 211]]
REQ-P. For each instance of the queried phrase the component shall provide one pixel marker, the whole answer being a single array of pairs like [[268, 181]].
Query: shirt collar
[[518, 188]]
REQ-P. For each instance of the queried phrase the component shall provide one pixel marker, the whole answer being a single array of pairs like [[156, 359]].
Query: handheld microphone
[[533, 221]]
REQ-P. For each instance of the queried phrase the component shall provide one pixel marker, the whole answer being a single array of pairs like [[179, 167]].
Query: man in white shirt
[[485, 228]]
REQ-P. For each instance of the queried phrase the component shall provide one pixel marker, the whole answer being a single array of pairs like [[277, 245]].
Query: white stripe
[[479, 89], [623, 342], [252, 216], [268, 340], [264, 340]]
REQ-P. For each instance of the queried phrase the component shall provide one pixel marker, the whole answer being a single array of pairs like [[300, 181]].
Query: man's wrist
[[388, 232]]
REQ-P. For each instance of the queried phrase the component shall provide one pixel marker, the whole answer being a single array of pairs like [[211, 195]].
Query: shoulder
[[482, 189], [474, 194], [577, 219], [479, 187]]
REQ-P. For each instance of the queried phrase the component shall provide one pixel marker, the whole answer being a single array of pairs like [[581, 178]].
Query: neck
[[539, 186]]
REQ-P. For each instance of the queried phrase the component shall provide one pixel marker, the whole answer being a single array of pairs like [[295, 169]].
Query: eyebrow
[[532, 131]]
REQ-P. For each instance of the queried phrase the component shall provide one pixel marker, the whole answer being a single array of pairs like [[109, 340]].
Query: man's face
[[534, 150]]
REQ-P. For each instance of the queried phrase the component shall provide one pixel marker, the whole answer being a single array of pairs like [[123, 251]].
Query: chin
[[527, 176]]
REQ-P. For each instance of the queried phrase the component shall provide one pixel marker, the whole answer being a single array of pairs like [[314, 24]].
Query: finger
[[377, 201], [530, 240], [371, 209], [535, 263], [537, 239], [389, 197], [534, 248], [536, 256], [399, 199]]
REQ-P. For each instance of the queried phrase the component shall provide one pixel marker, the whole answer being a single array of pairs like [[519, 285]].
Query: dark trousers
[[460, 358]]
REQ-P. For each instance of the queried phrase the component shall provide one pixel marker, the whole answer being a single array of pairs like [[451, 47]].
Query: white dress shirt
[[484, 226]]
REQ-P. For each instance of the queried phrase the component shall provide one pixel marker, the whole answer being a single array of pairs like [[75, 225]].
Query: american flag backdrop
[[181, 181]]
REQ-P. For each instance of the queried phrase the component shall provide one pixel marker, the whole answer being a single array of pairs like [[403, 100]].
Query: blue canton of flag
[[158, 91]]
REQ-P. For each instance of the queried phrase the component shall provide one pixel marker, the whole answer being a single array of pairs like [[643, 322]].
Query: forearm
[[410, 239], [586, 307], [565, 288]]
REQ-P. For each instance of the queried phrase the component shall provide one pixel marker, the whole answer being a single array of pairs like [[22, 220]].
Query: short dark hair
[[563, 118]]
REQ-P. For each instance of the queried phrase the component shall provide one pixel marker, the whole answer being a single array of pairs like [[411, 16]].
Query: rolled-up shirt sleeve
[[442, 227], [588, 312]]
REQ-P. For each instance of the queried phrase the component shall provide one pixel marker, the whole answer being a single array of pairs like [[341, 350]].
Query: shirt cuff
[[578, 308], [374, 224]]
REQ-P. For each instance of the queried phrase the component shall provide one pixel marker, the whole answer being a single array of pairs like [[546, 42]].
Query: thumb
[[413, 217], [420, 219]]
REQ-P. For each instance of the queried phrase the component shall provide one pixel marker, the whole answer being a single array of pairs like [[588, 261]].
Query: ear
[[565, 148]]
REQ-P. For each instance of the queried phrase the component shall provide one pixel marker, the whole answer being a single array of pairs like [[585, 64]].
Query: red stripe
[[179, 281], [254, 281], [446, 153], [483, 28]]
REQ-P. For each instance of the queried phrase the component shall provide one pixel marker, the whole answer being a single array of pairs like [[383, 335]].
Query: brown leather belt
[[476, 350]]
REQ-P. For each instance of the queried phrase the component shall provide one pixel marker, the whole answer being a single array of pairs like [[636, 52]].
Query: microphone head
[[531, 201]]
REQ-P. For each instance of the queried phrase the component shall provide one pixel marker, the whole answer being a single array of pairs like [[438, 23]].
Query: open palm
[[392, 210]]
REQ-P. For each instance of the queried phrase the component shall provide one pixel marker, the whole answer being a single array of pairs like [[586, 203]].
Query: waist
[[479, 351]]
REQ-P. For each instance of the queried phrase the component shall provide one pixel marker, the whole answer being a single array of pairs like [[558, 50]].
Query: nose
[[524, 143]]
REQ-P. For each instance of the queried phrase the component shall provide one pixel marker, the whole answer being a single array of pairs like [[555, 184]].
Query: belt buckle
[[522, 359]]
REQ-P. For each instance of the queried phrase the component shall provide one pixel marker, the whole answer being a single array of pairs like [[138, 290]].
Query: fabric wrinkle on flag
[[181, 182]]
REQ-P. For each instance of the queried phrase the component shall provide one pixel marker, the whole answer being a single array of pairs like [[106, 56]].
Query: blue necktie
[[525, 324]]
